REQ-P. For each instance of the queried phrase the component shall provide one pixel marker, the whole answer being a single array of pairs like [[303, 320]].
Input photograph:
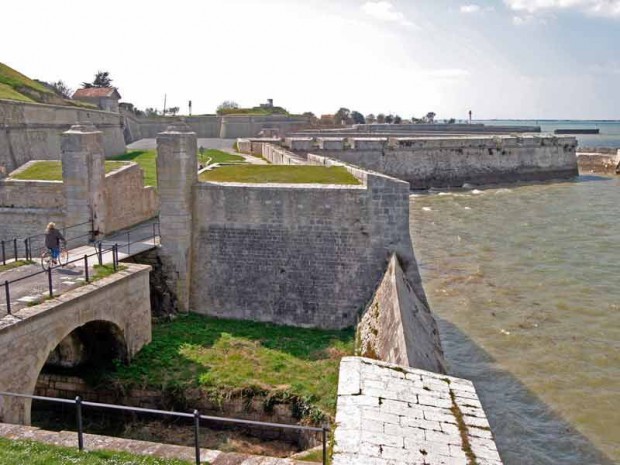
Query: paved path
[[31, 290]]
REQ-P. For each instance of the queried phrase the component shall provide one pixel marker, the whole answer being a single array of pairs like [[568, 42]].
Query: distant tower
[[190, 108], [469, 116], [270, 103]]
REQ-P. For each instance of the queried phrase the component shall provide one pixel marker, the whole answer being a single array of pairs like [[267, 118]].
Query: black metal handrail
[[195, 415]]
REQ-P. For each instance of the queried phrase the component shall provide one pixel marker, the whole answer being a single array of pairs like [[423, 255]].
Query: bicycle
[[46, 258]]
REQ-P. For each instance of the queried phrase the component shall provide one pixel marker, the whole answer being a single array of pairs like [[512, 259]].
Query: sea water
[[525, 283]]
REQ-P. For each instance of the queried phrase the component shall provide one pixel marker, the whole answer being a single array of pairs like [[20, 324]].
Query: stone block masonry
[[302, 254], [391, 415], [31, 131], [397, 327]]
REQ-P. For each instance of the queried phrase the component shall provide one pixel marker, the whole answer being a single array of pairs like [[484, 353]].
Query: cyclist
[[53, 237]]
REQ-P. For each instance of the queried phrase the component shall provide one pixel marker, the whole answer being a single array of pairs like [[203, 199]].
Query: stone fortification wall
[[279, 156], [452, 162], [603, 161], [397, 327], [27, 206], [443, 128], [388, 414], [30, 131], [307, 255], [127, 201], [210, 126]]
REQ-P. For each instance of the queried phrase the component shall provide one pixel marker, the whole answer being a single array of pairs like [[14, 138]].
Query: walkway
[[34, 289]]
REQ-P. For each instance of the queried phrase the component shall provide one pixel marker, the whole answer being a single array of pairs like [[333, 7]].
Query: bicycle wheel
[[46, 260], [63, 258]]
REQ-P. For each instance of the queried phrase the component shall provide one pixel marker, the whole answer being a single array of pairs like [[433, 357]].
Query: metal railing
[[196, 416], [99, 252]]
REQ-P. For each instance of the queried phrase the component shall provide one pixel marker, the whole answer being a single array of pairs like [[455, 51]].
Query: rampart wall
[[452, 162], [599, 161], [32, 131], [127, 201], [306, 255], [209, 126]]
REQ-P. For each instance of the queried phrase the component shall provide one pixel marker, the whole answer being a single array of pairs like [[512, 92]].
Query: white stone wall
[[391, 415]]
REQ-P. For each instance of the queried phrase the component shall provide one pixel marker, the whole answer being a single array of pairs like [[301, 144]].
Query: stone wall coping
[[278, 186], [26, 315], [129, 165], [58, 107], [24, 167]]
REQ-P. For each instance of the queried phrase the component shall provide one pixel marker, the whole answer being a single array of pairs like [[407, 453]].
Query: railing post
[[114, 251], [26, 249], [128, 244], [154, 235], [86, 268], [324, 434], [99, 254], [49, 281], [8, 297], [196, 435], [3, 254], [15, 247], [78, 412]]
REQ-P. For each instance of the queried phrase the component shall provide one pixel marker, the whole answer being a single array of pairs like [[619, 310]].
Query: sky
[[518, 59]]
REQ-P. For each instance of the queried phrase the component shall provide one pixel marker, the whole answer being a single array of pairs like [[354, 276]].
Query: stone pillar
[[83, 175], [176, 176]]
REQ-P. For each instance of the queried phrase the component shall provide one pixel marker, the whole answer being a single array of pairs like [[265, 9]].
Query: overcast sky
[[499, 58]]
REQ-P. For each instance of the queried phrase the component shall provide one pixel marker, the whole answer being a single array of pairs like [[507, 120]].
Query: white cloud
[[385, 11], [448, 73], [471, 8], [603, 8]]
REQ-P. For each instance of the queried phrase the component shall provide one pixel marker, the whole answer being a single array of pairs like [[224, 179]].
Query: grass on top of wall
[[285, 174], [51, 170], [37, 453], [211, 156], [224, 358], [147, 159], [8, 93]]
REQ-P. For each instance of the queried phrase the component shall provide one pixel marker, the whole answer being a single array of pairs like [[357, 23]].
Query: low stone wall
[[279, 156], [298, 254], [389, 414], [127, 201], [454, 161], [30, 131], [604, 163], [397, 327], [244, 145]]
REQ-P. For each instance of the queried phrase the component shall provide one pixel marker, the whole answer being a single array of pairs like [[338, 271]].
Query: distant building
[[106, 98], [269, 104]]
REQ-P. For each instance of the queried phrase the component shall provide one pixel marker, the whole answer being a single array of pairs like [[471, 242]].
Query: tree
[[173, 110], [451, 121], [357, 117], [227, 105], [380, 118], [342, 116], [430, 116], [370, 118], [151, 112], [312, 119], [397, 119], [389, 119], [62, 89], [102, 79]]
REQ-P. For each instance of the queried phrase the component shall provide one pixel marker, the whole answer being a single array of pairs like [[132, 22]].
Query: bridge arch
[[117, 308]]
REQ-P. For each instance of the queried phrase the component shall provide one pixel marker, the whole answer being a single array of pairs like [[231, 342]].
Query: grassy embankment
[[211, 156], [229, 358], [295, 174], [35, 453], [51, 170], [17, 264]]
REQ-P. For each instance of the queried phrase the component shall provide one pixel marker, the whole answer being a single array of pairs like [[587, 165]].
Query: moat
[[523, 281]]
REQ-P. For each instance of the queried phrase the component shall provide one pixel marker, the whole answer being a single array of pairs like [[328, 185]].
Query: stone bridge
[[104, 320]]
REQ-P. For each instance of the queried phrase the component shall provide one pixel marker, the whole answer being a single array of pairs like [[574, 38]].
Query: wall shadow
[[527, 431]]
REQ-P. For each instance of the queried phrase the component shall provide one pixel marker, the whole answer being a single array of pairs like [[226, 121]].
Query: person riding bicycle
[[53, 237]]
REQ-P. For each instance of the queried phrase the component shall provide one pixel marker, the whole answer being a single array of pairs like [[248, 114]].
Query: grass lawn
[[224, 357], [281, 174], [15, 79], [37, 453], [51, 170], [217, 156], [147, 159]]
